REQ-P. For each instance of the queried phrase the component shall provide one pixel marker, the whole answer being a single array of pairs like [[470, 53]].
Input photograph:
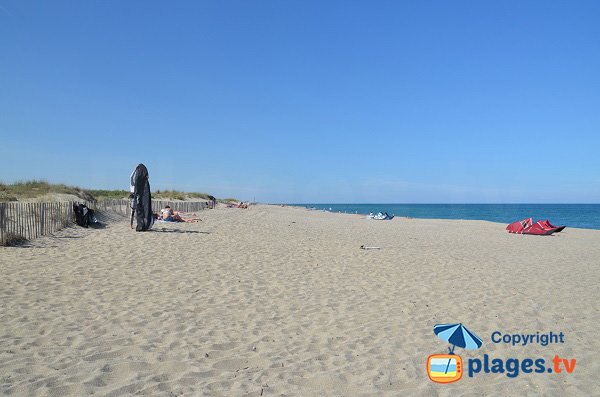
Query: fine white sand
[[281, 301]]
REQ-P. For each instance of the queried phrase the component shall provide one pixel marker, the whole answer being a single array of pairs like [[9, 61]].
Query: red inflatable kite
[[541, 228]]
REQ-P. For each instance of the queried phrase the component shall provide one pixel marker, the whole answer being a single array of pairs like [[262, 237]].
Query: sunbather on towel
[[184, 218], [168, 215]]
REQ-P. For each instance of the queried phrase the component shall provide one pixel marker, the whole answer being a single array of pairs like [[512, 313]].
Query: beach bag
[[91, 218], [84, 216], [81, 212]]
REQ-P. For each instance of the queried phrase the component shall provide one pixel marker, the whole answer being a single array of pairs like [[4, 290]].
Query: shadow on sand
[[164, 230]]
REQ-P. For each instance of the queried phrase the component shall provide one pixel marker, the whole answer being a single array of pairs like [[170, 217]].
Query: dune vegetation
[[28, 190], [25, 190]]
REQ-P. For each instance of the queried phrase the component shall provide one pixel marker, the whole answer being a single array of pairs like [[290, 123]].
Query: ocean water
[[572, 215]]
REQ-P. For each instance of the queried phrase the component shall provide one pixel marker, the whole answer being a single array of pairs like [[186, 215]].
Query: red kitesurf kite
[[526, 226]]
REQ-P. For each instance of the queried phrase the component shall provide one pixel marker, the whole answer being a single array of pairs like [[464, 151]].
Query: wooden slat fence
[[123, 207], [27, 221], [184, 206]]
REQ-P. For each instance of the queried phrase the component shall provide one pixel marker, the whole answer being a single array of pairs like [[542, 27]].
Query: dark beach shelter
[[141, 200]]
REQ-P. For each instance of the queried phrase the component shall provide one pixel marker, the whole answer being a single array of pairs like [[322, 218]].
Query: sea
[[585, 216]]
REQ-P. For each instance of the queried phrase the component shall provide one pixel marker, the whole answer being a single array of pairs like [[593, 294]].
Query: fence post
[[2, 222], [42, 218], [10, 223], [27, 221]]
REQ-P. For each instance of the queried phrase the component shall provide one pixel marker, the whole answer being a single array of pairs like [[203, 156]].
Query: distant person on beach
[[213, 201]]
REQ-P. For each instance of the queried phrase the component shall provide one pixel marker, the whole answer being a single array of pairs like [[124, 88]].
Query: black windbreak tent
[[141, 200]]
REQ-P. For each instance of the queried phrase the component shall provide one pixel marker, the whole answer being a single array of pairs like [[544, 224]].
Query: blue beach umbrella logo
[[457, 335], [447, 368]]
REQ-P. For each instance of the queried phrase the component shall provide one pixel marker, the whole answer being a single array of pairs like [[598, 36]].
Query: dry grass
[[109, 194], [36, 188], [178, 195], [228, 200]]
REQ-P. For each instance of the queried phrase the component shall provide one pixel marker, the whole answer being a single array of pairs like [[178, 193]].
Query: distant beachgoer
[[213, 201]]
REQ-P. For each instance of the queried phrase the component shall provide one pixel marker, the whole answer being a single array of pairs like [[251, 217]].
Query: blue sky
[[300, 101]]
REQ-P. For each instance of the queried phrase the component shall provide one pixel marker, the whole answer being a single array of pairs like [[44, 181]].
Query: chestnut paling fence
[[26, 221]]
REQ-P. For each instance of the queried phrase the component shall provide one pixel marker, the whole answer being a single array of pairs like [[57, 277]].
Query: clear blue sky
[[307, 101]]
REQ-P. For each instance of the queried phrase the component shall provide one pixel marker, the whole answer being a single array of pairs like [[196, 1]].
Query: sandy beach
[[281, 301]]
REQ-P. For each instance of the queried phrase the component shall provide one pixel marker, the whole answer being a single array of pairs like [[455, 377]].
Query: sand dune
[[281, 301]]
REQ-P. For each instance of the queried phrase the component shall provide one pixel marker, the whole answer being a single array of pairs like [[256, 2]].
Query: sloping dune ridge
[[280, 301]]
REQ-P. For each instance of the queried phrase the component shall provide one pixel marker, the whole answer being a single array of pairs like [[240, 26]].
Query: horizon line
[[438, 203]]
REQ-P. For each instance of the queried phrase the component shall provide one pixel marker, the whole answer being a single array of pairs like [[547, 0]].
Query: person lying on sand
[[183, 217], [168, 215]]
